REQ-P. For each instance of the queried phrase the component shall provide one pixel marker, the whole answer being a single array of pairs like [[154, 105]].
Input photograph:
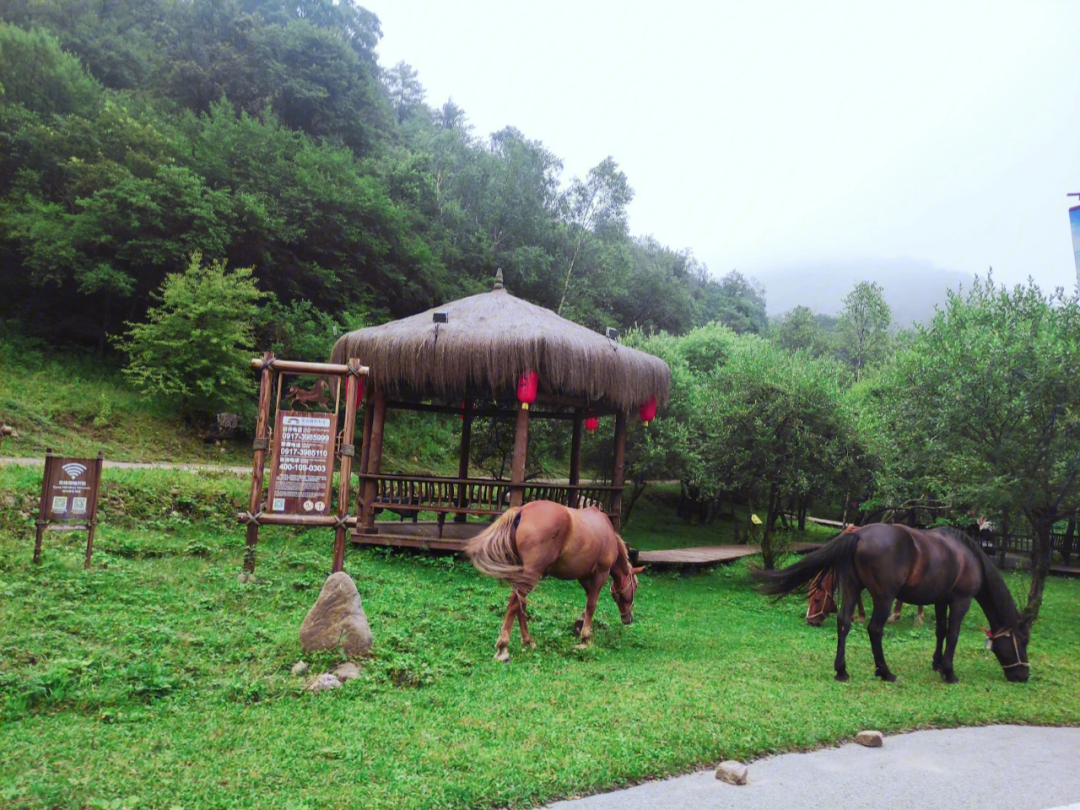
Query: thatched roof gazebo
[[474, 351]]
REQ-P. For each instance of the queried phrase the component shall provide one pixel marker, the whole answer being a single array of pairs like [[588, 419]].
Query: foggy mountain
[[911, 287]]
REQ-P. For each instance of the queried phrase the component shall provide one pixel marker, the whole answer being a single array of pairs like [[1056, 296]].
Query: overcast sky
[[773, 134]]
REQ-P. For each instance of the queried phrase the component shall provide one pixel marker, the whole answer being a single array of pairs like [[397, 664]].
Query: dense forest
[[183, 182], [266, 134]]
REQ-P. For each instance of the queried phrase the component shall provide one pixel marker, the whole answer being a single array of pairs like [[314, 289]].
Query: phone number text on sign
[[303, 465]]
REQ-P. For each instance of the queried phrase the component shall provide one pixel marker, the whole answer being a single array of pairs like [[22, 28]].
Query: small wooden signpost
[[303, 451], [69, 496]]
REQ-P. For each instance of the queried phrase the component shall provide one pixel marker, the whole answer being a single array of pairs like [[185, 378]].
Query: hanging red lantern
[[359, 391], [592, 423], [647, 411], [526, 391]]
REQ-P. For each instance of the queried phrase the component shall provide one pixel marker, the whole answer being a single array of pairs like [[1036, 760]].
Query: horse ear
[[637, 570]]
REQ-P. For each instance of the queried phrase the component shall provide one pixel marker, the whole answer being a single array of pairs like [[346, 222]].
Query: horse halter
[[1007, 633], [630, 580]]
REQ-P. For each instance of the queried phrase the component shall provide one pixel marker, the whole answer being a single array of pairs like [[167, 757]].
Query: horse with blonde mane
[[544, 537]]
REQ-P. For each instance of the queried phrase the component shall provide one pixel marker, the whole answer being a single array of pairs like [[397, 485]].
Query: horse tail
[[493, 552], [836, 555]]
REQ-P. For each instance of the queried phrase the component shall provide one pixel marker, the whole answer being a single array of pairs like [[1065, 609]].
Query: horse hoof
[[840, 676], [577, 626], [892, 619], [530, 644], [888, 677], [581, 646], [502, 655], [950, 678]]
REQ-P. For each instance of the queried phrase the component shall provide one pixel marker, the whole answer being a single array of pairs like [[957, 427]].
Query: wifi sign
[[74, 470]]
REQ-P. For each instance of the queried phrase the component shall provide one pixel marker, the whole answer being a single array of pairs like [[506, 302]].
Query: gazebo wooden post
[[517, 470], [365, 449], [463, 460], [617, 469], [575, 458], [374, 460]]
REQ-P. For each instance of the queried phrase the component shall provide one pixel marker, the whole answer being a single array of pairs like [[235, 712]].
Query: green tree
[[197, 342], [778, 427], [739, 304], [986, 400], [864, 327], [800, 330]]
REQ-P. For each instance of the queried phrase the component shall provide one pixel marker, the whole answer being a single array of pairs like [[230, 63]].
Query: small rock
[[732, 772], [871, 739], [323, 682], [299, 668], [337, 618], [347, 671]]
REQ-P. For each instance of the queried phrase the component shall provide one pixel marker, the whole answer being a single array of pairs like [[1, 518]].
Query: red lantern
[[527, 385], [647, 411], [359, 391], [592, 423]]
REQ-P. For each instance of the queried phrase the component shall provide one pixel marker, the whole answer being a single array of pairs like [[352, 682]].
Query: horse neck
[[995, 599], [621, 566]]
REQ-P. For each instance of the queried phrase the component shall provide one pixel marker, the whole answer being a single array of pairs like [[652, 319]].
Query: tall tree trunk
[[802, 513], [771, 508], [1041, 554]]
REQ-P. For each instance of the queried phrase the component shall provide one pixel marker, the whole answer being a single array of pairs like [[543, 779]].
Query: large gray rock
[[732, 772], [337, 619], [871, 739]]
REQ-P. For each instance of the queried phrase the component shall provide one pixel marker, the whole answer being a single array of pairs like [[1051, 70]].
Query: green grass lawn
[[157, 680]]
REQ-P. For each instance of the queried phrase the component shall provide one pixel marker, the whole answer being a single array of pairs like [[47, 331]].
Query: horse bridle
[[630, 580], [1007, 633]]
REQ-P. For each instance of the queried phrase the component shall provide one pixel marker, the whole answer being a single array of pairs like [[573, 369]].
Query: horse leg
[[523, 624], [843, 627], [941, 620], [957, 611], [876, 629], [502, 653], [895, 616], [919, 617], [862, 610], [592, 585]]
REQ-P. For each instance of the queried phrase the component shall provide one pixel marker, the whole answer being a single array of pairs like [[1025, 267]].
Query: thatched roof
[[489, 340]]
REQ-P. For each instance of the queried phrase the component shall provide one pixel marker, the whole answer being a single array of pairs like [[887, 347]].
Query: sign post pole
[[260, 446]]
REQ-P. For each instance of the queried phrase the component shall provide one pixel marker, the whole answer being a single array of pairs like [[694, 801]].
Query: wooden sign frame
[[69, 498], [306, 447]]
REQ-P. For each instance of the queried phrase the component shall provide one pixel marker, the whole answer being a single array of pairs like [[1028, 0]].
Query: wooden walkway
[[710, 555]]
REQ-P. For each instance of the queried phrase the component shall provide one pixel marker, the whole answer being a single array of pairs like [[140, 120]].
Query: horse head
[[623, 594], [1009, 644]]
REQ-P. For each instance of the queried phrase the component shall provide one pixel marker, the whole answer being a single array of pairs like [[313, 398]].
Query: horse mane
[[997, 590]]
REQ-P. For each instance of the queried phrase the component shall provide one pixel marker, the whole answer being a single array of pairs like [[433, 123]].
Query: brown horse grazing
[[941, 567], [544, 537]]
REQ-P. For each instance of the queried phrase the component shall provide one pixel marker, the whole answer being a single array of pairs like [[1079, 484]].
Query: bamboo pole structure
[[260, 445], [99, 462], [345, 473]]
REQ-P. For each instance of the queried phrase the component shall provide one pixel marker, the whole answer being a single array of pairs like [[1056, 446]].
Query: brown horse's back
[[566, 543]]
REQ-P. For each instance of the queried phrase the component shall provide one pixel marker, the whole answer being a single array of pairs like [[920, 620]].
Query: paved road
[[990, 768], [137, 465]]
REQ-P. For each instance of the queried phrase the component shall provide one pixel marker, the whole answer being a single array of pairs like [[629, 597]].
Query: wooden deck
[[710, 555]]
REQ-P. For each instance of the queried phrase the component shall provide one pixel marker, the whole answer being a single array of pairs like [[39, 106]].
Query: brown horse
[[544, 537], [940, 567]]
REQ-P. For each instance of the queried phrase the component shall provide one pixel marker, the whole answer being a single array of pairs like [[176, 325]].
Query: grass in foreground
[[156, 680]]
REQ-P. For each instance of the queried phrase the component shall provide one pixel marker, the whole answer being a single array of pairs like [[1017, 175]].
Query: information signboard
[[302, 470], [69, 494]]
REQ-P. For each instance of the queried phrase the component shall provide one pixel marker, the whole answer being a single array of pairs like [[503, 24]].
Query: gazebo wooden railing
[[405, 494]]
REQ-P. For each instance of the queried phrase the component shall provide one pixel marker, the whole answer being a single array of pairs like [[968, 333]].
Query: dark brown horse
[[940, 567], [544, 537]]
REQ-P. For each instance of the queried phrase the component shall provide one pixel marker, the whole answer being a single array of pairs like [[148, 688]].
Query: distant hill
[[911, 287]]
